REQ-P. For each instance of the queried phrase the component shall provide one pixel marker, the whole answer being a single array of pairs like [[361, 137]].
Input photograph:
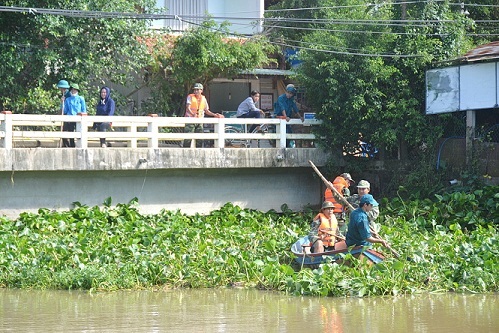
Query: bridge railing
[[28, 130]]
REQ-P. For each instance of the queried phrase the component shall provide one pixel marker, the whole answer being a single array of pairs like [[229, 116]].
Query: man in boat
[[359, 232], [341, 184], [323, 229], [363, 188]]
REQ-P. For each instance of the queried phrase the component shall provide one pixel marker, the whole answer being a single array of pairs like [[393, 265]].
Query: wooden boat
[[301, 249]]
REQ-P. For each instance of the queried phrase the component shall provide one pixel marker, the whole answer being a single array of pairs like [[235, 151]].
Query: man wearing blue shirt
[[73, 105], [286, 107], [358, 227]]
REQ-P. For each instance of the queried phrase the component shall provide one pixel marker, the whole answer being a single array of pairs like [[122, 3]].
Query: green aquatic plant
[[111, 248]]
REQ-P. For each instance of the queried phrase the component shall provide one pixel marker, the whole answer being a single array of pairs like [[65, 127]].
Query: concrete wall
[[192, 180]]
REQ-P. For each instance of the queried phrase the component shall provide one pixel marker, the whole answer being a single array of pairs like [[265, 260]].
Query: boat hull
[[305, 258]]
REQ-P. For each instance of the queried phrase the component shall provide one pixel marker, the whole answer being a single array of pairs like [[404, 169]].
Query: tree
[[38, 49], [365, 64], [200, 55]]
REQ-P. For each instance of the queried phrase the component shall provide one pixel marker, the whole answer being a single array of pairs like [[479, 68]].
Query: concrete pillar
[[470, 134]]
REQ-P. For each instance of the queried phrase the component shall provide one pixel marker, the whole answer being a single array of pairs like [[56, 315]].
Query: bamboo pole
[[344, 202]]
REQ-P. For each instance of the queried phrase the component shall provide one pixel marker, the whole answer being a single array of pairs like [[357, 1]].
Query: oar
[[331, 234], [344, 201]]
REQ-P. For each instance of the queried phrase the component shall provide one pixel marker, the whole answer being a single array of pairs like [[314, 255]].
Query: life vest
[[330, 225], [339, 184], [197, 106]]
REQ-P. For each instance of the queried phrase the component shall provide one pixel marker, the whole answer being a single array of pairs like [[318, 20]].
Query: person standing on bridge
[[73, 105], [197, 107], [63, 86], [285, 107], [105, 107], [248, 109]]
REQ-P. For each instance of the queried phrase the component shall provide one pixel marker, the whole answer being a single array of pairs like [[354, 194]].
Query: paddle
[[331, 234], [344, 201]]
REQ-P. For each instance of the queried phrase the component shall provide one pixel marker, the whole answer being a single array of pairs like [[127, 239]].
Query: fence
[[26, 130]]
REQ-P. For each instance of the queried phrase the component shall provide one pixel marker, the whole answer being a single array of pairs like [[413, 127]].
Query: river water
[[241, 310]]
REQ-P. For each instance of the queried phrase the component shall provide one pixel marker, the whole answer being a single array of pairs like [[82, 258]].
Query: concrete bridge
[[147, 163]]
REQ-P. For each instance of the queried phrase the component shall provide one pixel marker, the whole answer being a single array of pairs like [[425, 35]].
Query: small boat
[[301, 249]]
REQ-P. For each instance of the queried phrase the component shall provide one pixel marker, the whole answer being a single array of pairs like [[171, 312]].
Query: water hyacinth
[[110, 248]]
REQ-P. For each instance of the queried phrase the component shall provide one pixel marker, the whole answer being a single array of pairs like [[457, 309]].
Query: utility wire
[[99, 14], [116, 15], [349, 6], [460, 4], [351, 53], [124, 15], [353, 31], [364, 22], [316, 44]]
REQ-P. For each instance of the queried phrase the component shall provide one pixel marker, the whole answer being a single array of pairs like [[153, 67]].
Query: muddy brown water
[[240, 310]]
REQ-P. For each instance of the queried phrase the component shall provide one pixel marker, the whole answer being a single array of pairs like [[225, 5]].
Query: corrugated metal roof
[[268, 71], [483, 52]]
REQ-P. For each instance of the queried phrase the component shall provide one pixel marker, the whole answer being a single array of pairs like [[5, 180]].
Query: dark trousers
[[193, 128], [68, 127], [251, 114], [102, 127]]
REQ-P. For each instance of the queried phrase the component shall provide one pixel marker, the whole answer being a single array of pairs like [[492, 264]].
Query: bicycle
[[263, 128]]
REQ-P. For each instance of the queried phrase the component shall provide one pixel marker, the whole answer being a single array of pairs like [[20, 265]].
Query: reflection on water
[[238, 310]]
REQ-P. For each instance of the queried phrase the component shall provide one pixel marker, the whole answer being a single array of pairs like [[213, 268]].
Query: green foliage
[[40, 49], [377, 98], [467, 210], [449, 244], [368, 78], [200, 55], [115, 248]]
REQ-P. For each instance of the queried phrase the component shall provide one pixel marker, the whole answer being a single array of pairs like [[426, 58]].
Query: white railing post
[[82, 128], [152, 128], [133, 129], [281, 129], [6, 127], [219, 128]]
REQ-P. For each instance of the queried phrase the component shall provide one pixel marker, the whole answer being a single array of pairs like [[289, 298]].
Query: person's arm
[[252, 105], [364, 231], [63, 99], [354, 200], [377, 240], [295, 108], [367, 231], [313, 235], [373, 214], [213, 114], [281, 108], [65, 106], [111, 107], [187, 107], [83, 105]]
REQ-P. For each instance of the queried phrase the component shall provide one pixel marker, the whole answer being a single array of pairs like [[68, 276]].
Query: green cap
[[327, 204], [364, 184], [63, 84]]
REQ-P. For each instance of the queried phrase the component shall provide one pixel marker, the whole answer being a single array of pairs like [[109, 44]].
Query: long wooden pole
[[344, 202], [331, 234]]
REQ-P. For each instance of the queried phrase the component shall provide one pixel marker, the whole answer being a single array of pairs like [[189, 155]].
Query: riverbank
[[112, 248]]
